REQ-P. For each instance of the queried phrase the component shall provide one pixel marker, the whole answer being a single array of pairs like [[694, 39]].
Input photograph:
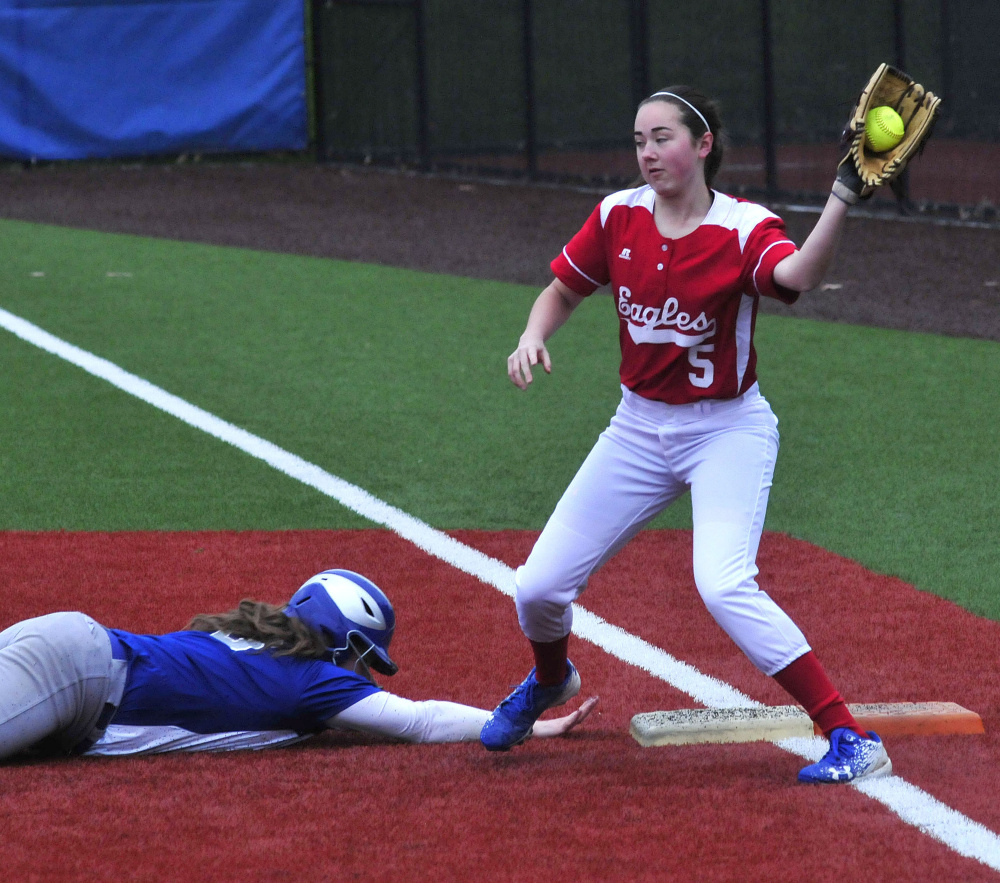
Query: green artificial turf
[[396, 381], [890, 451]]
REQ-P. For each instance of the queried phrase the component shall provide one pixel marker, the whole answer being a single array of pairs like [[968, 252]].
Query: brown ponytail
[[267, 623]]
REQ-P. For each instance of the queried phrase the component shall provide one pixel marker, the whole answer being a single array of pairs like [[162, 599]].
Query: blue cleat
[[512, 720], [850, 758]]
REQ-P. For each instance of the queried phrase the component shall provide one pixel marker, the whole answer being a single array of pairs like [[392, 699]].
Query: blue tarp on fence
[[93, 78]]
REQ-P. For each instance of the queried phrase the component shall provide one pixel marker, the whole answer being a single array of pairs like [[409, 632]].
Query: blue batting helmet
[[351, 613]]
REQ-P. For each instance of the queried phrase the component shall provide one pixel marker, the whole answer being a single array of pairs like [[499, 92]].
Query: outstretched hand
[[560, 726]]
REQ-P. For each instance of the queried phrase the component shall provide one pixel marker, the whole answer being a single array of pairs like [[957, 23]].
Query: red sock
[[550, 661], [809, 685]]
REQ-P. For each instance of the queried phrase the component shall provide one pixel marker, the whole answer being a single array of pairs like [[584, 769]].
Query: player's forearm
[[804, 269], [384, 714], [550, 311]]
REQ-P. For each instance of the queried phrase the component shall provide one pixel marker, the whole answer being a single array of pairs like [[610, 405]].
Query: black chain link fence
[[547, 89]]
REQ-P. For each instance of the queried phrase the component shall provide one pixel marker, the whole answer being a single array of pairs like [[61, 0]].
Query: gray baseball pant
[[59, 682]]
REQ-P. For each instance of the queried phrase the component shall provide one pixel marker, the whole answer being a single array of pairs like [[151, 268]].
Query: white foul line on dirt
[[911, 804]]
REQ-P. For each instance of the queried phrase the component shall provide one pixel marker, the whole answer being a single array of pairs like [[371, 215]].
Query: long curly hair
[[267, 623]]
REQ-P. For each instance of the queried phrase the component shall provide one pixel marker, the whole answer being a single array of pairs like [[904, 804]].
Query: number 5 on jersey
[[697, 360]]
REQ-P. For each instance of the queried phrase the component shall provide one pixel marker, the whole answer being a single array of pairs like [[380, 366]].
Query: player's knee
[[543, 608], [539, 587], [714, 599], [532, 597], [721, 591]]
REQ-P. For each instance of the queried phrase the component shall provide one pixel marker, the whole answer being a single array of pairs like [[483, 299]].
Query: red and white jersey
[[686, 307]]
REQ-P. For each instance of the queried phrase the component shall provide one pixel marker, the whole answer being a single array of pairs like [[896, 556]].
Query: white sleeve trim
[[761, 260], [385, 714], [578, 270]]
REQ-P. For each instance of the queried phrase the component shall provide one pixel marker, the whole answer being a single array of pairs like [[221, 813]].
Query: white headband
[[708, 128]]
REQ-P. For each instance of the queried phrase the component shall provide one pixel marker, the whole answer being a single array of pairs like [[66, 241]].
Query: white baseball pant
[[58, 681], [651, 453]]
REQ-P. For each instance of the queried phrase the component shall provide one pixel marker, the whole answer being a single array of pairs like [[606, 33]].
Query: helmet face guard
[[351, 613]]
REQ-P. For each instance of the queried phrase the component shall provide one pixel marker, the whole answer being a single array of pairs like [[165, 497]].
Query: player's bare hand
[[560, 726], [520, 362]]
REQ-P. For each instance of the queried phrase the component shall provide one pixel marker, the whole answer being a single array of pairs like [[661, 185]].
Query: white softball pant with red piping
[[650, 454]]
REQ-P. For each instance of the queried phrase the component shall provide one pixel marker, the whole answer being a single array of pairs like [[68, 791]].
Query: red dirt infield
[[590, 807]]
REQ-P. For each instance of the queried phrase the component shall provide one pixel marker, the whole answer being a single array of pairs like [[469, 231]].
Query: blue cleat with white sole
[[850, 758], [512, 720]]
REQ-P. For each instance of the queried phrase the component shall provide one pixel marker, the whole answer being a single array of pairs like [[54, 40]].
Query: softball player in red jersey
[[686, 266]]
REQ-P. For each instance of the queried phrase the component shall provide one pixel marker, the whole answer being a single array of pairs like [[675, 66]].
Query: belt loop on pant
[[117, 647]]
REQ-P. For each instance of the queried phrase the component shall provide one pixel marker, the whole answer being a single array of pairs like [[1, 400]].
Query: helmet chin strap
[[361, 668], [360, 665]]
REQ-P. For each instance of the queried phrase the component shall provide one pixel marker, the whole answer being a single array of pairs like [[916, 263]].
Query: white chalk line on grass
[[911, 804]]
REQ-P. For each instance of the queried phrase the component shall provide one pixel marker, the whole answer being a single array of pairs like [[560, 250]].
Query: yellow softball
[[883, 128]]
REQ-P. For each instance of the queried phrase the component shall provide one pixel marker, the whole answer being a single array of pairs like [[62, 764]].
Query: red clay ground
[[591, 807]]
